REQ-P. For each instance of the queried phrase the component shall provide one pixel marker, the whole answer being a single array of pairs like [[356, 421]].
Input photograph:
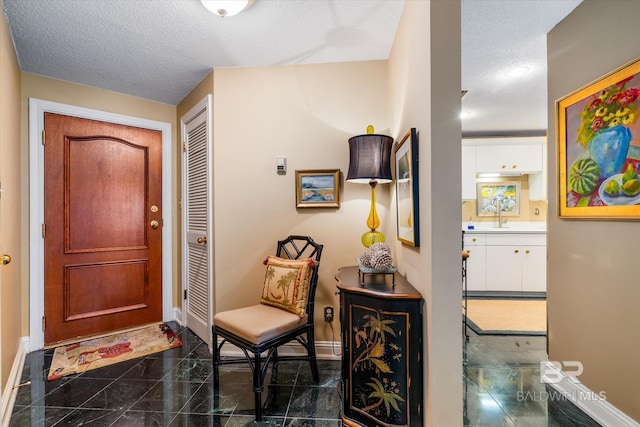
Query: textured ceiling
[[160, 49], [498, 35]]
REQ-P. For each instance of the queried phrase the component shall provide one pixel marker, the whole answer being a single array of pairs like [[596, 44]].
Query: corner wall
[[10, 213], [305, 113], [593, 293], [425, 93]]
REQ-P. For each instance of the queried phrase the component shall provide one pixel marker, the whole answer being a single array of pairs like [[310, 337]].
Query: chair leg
[[257, 385], [215, 356], [311, 351]]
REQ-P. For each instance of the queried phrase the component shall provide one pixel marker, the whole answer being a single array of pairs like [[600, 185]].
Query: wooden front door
[[103, 227]]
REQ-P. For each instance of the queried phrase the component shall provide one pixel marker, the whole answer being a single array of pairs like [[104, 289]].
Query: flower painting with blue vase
[[602, 156]]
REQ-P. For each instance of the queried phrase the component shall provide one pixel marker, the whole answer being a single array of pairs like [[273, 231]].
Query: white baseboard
[[325, 350], [11, 389], [177, 316], [593, 404]]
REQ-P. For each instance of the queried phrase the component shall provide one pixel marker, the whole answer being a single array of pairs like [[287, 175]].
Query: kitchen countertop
[[539, 227]]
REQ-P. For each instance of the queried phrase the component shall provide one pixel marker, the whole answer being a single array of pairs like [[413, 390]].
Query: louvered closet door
[[197, 259]]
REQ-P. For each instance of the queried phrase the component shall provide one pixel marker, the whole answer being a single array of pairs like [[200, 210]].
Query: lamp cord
[[333, 341]]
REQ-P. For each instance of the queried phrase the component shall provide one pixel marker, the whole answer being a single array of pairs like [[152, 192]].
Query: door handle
[[6, 259], [154, 224], [202, 240]]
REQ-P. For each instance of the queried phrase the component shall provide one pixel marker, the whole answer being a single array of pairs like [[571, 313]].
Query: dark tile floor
[[502, 385], [174, 388]]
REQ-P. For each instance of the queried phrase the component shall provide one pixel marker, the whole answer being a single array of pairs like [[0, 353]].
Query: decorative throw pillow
[[286, 283]]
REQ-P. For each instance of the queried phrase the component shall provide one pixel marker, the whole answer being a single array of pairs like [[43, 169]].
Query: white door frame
[[37, 108]]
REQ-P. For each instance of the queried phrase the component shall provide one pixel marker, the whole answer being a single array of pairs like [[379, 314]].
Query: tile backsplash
[[527, 207]]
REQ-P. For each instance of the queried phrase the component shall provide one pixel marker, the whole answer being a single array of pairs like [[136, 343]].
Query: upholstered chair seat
[[258, 323]]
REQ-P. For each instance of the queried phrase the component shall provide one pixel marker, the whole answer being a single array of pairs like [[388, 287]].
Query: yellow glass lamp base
[[371, 237]]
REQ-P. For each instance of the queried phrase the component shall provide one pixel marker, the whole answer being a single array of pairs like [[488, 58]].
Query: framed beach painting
[[407, 189], [599, 148], [503, 197], [319, 188]]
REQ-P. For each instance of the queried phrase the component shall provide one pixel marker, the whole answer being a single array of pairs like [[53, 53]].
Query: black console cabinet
[[382, 363]]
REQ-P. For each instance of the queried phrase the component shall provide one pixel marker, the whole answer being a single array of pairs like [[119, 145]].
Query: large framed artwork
[[407, 189], [318, 188], [599, 148]]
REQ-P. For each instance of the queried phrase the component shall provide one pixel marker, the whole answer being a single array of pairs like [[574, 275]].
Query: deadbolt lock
[[155, 224]]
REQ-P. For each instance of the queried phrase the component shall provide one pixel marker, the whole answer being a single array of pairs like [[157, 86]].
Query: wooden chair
[[259, 330]]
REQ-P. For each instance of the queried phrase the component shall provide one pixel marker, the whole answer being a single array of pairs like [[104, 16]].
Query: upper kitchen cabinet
[[505, 156], [509, 155]]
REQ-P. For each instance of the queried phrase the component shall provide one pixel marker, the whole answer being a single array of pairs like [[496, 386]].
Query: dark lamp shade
[[370, 158]]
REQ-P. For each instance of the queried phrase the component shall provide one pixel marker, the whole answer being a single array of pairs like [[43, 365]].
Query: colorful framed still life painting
[[599, 148]]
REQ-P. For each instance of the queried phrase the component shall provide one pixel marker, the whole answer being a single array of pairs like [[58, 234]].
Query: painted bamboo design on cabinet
[[379, 369]]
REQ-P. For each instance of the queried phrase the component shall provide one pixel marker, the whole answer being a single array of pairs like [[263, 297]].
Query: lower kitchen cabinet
[[516, 268], [382, 371], [476, 247], [512, 262]]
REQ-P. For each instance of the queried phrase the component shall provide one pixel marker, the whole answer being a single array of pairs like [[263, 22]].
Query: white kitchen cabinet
[[538, 181], [509, 158], [475, 245], [504, 268], [513, 262], [468, 172], [534, 269]]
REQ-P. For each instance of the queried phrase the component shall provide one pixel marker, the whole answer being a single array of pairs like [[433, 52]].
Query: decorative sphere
[[371, 237]]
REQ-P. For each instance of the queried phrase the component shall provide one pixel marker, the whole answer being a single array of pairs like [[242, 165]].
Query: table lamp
[[370, 163]]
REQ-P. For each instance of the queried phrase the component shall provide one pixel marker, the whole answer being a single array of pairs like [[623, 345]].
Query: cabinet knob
[[527, 251], [514, 166], [504, 166], [468, 251], [474, 239], [516, 251]]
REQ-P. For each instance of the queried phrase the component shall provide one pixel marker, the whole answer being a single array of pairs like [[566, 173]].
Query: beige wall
[[593, 293], [425, 88], [10, 212], [39, 87], [305, 113]]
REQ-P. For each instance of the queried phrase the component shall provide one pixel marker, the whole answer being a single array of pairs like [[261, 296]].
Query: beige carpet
[[507, 316]]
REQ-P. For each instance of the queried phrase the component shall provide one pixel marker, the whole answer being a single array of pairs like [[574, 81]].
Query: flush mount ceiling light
[[517, 71], [227, 7]]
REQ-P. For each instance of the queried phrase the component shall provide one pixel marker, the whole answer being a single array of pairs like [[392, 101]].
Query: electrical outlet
[[328, 313]]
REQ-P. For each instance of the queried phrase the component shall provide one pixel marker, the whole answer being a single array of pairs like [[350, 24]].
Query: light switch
[[281, 165]]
